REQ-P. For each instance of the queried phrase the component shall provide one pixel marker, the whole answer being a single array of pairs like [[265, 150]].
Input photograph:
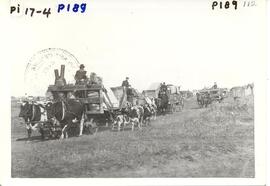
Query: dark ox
[[162, 103], [203, 99], [33, 115], [68, 113]]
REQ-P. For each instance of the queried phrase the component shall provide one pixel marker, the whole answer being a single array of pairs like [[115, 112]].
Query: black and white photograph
[[135, 89]]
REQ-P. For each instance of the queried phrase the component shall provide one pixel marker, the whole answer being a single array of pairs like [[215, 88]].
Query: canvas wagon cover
[[151, 93], [119, 95], [237, 92], [111, 96]]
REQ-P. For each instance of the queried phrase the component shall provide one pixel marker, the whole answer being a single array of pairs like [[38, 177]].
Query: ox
[[203, 99], [120, 121], [147, 113], [153, 108], [33, 115], [67, 113], [162, 103], [134, 114]]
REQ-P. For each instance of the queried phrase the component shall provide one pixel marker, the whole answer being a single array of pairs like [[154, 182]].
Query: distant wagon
[[170, 100], [176, 100], [242, 91], [186, 94], [207, 96]]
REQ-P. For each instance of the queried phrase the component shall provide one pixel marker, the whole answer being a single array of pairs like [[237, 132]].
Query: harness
[[31, 113], [65, 110], [34, 111]]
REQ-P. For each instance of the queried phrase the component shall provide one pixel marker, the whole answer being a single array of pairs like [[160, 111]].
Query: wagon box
[[150, 93], [93, 97], [214, 94]]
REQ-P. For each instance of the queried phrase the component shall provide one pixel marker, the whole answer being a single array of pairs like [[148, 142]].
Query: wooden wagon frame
[[98, 108]]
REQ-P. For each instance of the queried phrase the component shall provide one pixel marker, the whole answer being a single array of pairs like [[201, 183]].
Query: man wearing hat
[[163, 87], [125, 83], [215, 86], [80, 75]]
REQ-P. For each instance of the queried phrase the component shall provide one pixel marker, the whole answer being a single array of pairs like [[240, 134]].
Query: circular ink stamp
[[39, 72]]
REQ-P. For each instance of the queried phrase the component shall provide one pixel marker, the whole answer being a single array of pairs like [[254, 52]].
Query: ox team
[[67, 111]]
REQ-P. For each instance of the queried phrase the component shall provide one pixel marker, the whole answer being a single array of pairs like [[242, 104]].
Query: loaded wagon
[[127, 95], [217, 94], [97, 105], [93, 97], [100, 104], [99, 110], [207, 96], [242, 91], [167, 97], [176, 101]]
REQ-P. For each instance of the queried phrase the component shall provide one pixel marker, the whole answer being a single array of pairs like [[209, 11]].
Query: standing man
[[163, 87], [125, 83], [215, 85], [128, 90], [80, 75]]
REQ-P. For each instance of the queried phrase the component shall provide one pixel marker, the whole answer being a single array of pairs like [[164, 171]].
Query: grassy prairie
[[217, 141]]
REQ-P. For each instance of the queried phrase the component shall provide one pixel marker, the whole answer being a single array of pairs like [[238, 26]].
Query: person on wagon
[[215, 86], [80, 75], [163, 87], [125, 83]]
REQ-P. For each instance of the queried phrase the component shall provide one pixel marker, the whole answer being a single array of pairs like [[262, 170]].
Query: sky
[[183, 42]]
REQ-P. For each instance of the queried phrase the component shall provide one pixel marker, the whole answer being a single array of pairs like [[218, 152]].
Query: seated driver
[[80, 75]]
